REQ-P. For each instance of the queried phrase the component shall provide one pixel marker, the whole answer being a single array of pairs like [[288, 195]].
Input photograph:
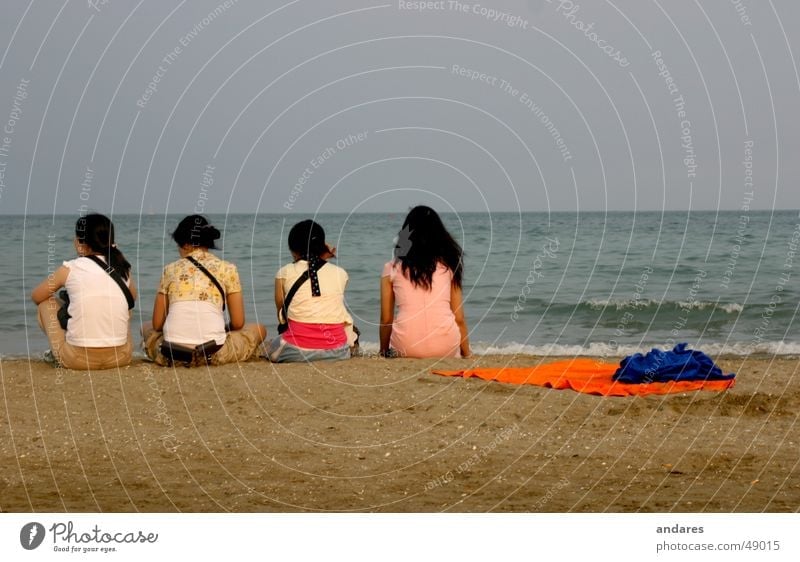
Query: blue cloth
[[680, 364]]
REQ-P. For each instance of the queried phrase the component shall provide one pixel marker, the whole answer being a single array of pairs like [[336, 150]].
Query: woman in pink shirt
[[424, 282]]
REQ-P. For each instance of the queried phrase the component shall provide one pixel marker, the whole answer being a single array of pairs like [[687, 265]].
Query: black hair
[[196, 231], [423, 243], [307, 239], [97, 232]]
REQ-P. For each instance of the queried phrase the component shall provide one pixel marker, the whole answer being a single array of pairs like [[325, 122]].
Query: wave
[[606, 350], [640, 304]]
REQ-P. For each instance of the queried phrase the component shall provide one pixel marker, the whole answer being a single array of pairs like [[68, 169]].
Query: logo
[[31, 535]]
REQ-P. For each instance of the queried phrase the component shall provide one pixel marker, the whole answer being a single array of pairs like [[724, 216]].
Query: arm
[[160, 308], [236, 310], [330, 252], [50, 285], [279, 297], [132, 287], [457, 306], [387, 313]]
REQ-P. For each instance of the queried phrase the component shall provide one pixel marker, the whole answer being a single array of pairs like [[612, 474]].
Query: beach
[[379, 435]]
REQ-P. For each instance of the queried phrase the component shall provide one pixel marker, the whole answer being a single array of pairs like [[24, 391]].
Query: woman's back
[[425, 325], [326, 308], [97, 307], [424, 284], [195, 304], [314, 322]]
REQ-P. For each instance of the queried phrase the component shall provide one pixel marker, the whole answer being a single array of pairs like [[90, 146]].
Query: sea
[[604, 284]]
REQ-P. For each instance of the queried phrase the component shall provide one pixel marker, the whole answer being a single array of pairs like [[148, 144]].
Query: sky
[[368, 106]]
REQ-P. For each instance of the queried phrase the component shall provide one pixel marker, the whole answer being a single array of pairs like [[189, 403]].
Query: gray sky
[[361, 105]]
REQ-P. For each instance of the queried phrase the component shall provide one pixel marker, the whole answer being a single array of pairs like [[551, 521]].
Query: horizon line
[[561, 211]]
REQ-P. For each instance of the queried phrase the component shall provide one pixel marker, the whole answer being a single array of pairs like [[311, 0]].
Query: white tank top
[[98, 310]]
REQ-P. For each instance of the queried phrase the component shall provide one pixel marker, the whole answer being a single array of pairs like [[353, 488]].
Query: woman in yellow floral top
[[189, 307]]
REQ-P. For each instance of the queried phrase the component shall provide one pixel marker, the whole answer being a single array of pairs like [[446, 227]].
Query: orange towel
[[583, 375]]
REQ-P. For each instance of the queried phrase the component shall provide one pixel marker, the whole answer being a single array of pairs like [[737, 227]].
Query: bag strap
[[288, 300], [114, 274], [290, 295], [202, 268]]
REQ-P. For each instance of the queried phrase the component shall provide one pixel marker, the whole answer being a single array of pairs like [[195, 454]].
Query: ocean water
[[594, 283]]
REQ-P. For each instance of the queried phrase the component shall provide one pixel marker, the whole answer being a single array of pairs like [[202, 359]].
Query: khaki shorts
[[240, 345], [79, 358]]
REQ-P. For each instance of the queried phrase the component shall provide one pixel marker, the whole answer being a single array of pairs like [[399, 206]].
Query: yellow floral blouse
[[182, 281]]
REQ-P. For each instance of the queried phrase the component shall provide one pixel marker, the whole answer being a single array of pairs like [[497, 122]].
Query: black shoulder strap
[[114, 274], [202, 268], [290, 295], [287, 301]]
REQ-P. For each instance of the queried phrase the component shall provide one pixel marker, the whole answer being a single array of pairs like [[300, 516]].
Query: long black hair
[[423, 243], [97, 232], [196, 231]]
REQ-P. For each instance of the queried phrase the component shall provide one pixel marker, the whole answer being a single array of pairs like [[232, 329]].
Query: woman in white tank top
[[97, 335]]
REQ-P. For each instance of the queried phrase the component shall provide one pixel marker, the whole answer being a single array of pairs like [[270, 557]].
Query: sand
[[373, 434]]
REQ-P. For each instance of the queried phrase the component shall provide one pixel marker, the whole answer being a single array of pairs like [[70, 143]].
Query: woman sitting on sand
[[424, 281], [318, 325], [192, 297], [100, 291]]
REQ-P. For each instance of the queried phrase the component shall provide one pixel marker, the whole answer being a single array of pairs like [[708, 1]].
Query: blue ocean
[[590, 283]]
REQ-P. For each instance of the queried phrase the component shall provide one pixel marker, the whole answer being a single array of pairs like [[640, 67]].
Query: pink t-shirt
[[424, 325]]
